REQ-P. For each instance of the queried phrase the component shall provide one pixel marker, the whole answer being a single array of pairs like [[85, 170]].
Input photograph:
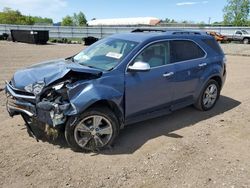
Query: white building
[[125, 21]]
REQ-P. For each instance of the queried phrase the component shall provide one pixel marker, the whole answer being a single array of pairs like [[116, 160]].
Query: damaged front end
[[49, 107], [45, 102]]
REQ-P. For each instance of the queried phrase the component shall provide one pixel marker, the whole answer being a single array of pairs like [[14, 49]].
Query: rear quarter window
[[213, 44], [183, 50]]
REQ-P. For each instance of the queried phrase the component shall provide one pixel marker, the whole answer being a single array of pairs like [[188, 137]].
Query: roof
[[137, 37], [168, 34], [125, 21]]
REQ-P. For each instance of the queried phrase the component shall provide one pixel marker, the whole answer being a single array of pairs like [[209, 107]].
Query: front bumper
[[20, 103], [15, 107]]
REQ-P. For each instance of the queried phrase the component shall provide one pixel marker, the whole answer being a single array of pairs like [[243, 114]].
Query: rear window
[[183, 50], [213, 44]]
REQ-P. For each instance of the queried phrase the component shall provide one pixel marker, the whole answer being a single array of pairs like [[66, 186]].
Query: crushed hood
[[51, 71]]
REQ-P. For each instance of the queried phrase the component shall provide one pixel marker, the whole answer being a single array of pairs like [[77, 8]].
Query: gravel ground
[[188, 148], [236, 49]]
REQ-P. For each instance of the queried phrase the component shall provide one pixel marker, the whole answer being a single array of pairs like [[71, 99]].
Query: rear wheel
[[95, 129], [208, 96]]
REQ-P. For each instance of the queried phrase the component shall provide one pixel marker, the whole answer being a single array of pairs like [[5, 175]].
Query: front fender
[[84, 95]]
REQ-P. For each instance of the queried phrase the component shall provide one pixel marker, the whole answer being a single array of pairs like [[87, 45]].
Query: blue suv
[[119, 80]]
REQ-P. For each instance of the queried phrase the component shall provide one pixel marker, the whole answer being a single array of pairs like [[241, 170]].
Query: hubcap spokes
[[210, 96], [95, 129]]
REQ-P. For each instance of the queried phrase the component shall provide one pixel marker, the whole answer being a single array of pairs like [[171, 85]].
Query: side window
[[239, 33], [155, 55], [183, 50], [213, 44]]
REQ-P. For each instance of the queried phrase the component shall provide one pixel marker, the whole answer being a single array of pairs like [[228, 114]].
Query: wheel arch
[[112, 106], [215, 77]]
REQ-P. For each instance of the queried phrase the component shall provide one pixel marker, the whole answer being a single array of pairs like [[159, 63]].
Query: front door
[[151, 90]]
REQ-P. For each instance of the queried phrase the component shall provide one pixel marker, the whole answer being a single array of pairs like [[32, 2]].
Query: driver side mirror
[[139, 67]]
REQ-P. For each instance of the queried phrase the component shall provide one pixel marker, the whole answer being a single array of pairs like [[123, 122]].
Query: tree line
[[75, 20], [9, 16], [235, 13]]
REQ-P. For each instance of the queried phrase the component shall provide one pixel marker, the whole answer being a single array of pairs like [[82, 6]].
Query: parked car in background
[[218, 36], [239, 35], [117, 81]]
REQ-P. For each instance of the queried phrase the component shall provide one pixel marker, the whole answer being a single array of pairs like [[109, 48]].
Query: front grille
[[20, 92]]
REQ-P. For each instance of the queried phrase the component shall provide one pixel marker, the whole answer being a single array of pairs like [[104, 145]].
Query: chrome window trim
[[167, 40]]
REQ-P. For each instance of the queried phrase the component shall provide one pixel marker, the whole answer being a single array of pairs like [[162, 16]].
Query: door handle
[[168, 74], [202, 65]]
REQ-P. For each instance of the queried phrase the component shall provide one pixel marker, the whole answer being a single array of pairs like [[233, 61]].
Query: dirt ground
[[188, 148]]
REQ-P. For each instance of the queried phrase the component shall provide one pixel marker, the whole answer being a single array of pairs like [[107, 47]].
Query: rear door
[[190, 63]]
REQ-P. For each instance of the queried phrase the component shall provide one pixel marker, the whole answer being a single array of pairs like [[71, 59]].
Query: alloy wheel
[[210, 96], [93, 132]]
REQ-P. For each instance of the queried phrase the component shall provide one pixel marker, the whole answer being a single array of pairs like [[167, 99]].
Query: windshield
[[105, 54]]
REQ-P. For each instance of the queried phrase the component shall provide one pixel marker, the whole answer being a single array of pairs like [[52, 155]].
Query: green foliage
[[236, 12], [76, 20], [38, 19], [67, 21], [80, 19], [167, 20], [9, 16]]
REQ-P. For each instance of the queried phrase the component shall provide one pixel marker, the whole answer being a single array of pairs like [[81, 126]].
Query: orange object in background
[[218, 36]]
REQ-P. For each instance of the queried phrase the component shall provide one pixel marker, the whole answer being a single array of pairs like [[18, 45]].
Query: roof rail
[[170, 32], [147, 30], [186, 33]]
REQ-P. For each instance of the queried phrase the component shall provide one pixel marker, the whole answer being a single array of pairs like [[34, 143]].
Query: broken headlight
[[35, 88]]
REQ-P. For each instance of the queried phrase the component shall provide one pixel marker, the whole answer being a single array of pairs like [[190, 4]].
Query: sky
[[180, 10]]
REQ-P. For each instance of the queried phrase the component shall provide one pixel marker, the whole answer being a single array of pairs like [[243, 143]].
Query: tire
[[93, 130], [246, 41], [206, 100]]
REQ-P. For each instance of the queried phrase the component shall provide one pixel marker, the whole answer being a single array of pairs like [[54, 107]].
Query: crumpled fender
[[84, 95]]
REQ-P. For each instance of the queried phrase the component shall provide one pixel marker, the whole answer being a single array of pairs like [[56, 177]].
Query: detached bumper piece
[[45, 111]]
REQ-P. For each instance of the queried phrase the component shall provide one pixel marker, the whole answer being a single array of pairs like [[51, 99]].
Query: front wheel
[[208, 96], [246, 41], [95, 129]]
